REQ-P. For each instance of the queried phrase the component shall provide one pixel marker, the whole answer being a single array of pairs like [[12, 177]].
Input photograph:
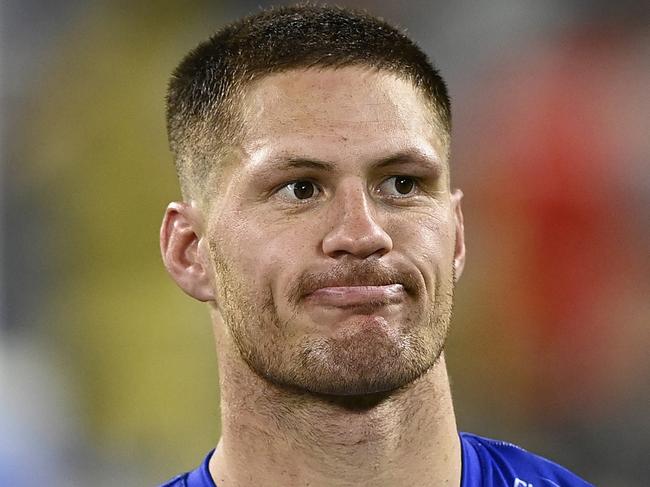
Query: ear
[[459, 249], [182, 253]]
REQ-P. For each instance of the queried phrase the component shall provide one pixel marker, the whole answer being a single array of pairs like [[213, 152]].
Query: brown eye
[[303, 189], [398, 186], [404, 184]]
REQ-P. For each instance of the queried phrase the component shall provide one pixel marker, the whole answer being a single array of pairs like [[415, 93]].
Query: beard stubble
[[360, 360]]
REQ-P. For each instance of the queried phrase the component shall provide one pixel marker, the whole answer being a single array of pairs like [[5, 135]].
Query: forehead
[[351, 111]]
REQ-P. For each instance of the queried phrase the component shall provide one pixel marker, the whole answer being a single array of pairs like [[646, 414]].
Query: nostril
[[360, 242], [356, 229]]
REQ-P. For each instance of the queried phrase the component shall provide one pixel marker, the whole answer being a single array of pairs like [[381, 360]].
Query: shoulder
[[488, 462], [178, 481], [200, 477]]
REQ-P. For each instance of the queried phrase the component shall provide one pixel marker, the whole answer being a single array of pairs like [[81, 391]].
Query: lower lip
[[353, 296]]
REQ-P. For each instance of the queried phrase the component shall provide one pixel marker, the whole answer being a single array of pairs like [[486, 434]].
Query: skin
[[328, 256]]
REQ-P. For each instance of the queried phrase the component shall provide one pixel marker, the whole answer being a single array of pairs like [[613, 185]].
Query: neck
[[274, 436]]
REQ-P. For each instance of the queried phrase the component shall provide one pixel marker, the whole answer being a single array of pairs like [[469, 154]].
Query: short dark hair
[[204, 90]]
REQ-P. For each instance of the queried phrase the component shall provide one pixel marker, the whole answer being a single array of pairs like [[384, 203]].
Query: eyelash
[[316, 186], [415, 181], [417, 184]]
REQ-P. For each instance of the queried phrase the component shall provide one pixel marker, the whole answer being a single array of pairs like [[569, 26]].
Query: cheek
[[427, 233], [428, 241], [288, 251], [259, 252], [239, 258]]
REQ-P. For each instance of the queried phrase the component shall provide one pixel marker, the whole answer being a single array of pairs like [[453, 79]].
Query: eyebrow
[[410, 157], [299, 163], [284, 163]]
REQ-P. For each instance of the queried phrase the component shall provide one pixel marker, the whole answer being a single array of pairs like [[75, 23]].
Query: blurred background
[[107, 371]]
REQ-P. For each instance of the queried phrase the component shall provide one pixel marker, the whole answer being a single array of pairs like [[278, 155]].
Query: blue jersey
[[486, 463]]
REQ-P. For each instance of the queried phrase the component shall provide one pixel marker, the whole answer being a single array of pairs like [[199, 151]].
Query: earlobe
[[459, 248], [180, 239]]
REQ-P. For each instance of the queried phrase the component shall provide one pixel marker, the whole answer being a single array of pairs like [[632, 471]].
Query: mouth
[[347, 297]]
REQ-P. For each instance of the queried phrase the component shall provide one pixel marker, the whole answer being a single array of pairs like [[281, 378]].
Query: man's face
[[332, 237]]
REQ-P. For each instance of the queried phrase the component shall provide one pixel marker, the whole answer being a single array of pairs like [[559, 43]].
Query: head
[[312, 148], [205, 114]]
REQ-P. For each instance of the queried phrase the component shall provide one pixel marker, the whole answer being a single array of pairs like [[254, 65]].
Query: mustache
[[363, 273]]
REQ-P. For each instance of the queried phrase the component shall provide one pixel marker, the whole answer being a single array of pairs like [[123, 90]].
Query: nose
[[355, 229]]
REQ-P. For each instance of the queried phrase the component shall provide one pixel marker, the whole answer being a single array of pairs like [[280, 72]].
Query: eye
[[398, 186], [299, 190]]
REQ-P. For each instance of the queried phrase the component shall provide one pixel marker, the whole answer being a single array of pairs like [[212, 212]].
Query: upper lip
[[368, 297], [369, 274], [352, 281]]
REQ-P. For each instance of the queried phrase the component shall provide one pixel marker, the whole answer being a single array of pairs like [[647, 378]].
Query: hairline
[[233, 109]]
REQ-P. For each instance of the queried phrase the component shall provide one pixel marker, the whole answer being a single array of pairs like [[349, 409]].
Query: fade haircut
[[205, 91]]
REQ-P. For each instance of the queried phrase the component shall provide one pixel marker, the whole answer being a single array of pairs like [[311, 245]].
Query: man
[[312, 148]]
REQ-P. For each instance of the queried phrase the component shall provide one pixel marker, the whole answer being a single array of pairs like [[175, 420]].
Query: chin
[[359, 364]]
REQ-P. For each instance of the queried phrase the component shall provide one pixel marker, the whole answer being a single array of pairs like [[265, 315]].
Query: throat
[[355, 403], [279, 437]]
